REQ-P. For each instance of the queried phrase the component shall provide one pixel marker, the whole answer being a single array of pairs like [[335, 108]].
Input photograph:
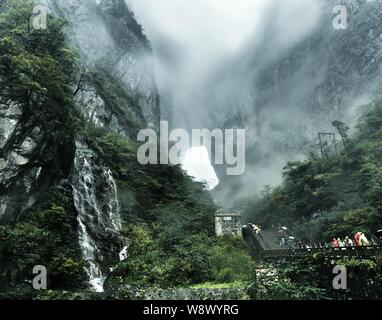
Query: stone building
[[228, 223]]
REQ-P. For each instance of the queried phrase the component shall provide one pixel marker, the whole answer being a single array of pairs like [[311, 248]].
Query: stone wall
[[228, 223]]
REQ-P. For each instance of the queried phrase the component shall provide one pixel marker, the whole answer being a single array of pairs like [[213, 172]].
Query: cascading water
[[89, 251], [113, 207], [95, 197]]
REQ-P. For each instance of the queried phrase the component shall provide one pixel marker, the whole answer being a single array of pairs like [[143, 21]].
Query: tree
[[343, 131]]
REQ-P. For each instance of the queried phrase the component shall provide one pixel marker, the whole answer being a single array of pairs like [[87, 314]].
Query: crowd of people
[[288, 240], [360, 240], [255, 228]]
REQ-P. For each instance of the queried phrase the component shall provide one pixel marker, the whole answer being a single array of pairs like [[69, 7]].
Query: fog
[[192, 40], [203, 51], [197, 164]]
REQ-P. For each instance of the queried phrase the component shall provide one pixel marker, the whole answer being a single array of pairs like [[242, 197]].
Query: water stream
[[95, 197]]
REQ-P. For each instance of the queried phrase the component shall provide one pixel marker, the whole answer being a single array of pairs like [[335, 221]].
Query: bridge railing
[[260, 249], [358, 252], [253, 242]]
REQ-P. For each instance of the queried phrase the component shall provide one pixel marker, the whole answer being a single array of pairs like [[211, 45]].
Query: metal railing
[[260, 249]]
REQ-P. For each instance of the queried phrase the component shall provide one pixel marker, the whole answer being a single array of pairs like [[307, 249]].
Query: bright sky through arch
[[197, 164]]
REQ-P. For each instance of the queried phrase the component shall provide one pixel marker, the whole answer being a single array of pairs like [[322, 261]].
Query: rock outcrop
[[293, 94], [116, 79], [114, 90]]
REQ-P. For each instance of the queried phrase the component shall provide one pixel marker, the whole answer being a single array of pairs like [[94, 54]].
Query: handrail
[[260, 249]]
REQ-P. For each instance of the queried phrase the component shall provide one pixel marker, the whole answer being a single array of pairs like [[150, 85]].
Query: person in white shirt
[[363, 240], [348, 242]]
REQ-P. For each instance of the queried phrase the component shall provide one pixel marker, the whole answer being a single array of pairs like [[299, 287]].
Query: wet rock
[[9, 118], [97, 113], [18, 159], [96, 201], [124, 54], [293, 94]]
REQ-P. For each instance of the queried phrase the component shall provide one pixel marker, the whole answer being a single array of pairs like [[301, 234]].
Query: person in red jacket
[[357, 238], [335, 243]]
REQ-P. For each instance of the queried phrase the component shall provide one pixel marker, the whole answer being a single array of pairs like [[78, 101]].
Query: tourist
[[335, 243], [282, 234], [258, 232], [363, 241], [257, 229], [357, 239], [348, 242], [291, 242]]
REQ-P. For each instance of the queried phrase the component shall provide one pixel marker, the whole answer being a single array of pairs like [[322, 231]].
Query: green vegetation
[[170, 224], [312, 279], [330, 194], [212, 285], [334, 194], [122, 103], [45, 235], [36, 68], [198, 261], [168, 217]]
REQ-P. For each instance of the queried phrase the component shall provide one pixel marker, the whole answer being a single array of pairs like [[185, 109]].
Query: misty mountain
[[73, 97], [279, 70], [113, 90], [291, 94], [72, 194]]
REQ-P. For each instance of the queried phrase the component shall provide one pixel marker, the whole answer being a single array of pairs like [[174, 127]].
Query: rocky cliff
[[56, 89], [116, 81], [73, 197], [113, 89], [292, 94]]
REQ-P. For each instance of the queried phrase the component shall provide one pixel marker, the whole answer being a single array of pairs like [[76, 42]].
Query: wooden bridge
[[265, 246]]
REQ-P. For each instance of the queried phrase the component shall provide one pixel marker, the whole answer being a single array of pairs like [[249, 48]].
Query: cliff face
[[30, 160], [322, 77], [116, 80], [293, 94], [113, 89], [57, 89]]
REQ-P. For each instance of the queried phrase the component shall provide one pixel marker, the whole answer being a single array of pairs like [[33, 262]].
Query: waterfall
[[89, 250], [95, 197], [123, 255], [113, 207]]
